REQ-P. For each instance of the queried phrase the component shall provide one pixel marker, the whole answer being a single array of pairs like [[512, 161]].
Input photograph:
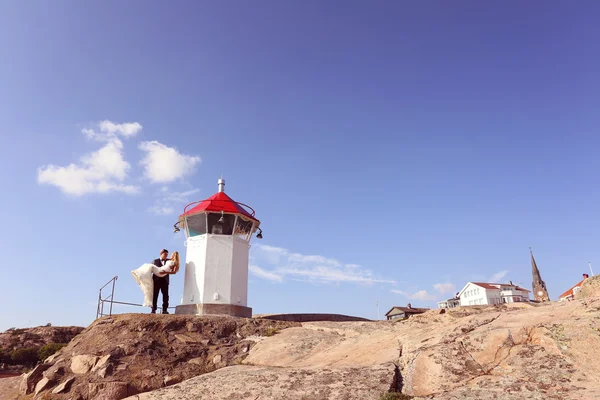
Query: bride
[[143, 276]]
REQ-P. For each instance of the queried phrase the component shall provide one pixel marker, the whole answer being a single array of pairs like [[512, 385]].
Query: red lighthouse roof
[[219, 202]]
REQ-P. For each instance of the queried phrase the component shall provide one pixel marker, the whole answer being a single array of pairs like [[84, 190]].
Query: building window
[[220, 224], [196, 224], [243, 227]]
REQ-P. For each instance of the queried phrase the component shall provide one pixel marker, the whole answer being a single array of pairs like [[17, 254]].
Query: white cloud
[[169, 201], [161, 210], [163, 164], [445, 288], [420, 295], [101, 171], [109, 130], [127, 129], [312, 259], [313, 268], [497, 277], [270, 254], [261, 273]]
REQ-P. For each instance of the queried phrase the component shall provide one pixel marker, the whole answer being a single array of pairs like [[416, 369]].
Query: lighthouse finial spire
[[221, 184]]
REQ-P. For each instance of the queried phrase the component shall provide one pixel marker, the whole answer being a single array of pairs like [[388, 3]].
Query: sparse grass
[[558, 334], [271, 330], [395, 396]]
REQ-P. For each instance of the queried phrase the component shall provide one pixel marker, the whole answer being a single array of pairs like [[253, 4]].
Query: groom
[[161, 284]]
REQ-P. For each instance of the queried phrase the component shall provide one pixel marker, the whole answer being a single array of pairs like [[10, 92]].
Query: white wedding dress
[[143, 277]]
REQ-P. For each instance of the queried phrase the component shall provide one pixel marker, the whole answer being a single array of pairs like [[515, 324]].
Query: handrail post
[[112, 294], [99, 300]]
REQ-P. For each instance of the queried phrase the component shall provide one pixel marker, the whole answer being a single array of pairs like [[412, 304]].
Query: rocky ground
[[521, 351], [516, 351], [132, 353]]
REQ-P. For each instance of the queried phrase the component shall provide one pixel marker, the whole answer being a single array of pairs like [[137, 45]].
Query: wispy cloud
[[107, 130], [169, 201], [164, 164], [261, 273], [498, 276], [102, 171], [421, 295], [312, 268], [445, 288]]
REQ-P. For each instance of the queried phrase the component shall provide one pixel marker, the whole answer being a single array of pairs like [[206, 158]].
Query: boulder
[[197, 361], [82, 364], [52, 357], [171, 380], [55, 372], [217, 359], [63, 387], [43, 384], [106, 371], [101, 363], [185, 338], [31, 379], [107, 390]]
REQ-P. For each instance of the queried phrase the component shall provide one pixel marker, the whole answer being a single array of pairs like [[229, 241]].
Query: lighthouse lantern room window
[[243, 227], [219, 224], [196, 224]]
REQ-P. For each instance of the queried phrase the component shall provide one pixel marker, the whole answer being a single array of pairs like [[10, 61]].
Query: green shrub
[[271, 330], [48, 349], [26, 355]]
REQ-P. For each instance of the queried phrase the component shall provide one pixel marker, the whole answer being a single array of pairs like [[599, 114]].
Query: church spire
[[540, 293]]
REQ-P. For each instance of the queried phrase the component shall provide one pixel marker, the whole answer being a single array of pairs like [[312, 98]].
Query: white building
[[218, 232], [481, 293], [450, 303]]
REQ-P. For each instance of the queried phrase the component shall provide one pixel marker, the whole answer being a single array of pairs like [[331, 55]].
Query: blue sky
[[392, 151]]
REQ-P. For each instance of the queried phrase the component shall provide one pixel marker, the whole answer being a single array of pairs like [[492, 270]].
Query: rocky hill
[[516, 351], [32, 339], [132, 353], [14, 338]]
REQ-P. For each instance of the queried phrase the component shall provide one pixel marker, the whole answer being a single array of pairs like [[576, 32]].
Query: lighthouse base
[[214, 309]]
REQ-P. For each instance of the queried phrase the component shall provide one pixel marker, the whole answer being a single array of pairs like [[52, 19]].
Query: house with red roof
[[570, 294], [484, 293]]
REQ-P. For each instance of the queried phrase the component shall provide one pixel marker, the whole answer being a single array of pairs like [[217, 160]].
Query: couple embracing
[[154, 278]]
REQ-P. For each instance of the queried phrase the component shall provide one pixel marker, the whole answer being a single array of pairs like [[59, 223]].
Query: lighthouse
[[218, 232]]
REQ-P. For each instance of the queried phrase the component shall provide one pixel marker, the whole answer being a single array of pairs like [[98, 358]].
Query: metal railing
[[110, 299], [101, 300]]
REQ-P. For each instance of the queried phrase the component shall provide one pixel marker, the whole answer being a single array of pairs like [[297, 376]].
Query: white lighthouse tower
[[218, 232]]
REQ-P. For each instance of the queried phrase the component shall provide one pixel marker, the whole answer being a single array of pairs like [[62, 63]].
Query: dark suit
[[162, 285]]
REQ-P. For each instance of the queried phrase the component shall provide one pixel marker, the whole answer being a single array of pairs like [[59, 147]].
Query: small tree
[[25, 356], [48, 349]]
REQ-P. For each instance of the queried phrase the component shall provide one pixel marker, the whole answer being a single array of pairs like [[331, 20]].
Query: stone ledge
[[312, 317], [214, 309]]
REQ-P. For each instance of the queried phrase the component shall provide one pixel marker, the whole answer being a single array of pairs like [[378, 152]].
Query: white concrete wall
[[217, 272], [473, 295], [195, 260], [493, 297], [216, 264], [239, 272]]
